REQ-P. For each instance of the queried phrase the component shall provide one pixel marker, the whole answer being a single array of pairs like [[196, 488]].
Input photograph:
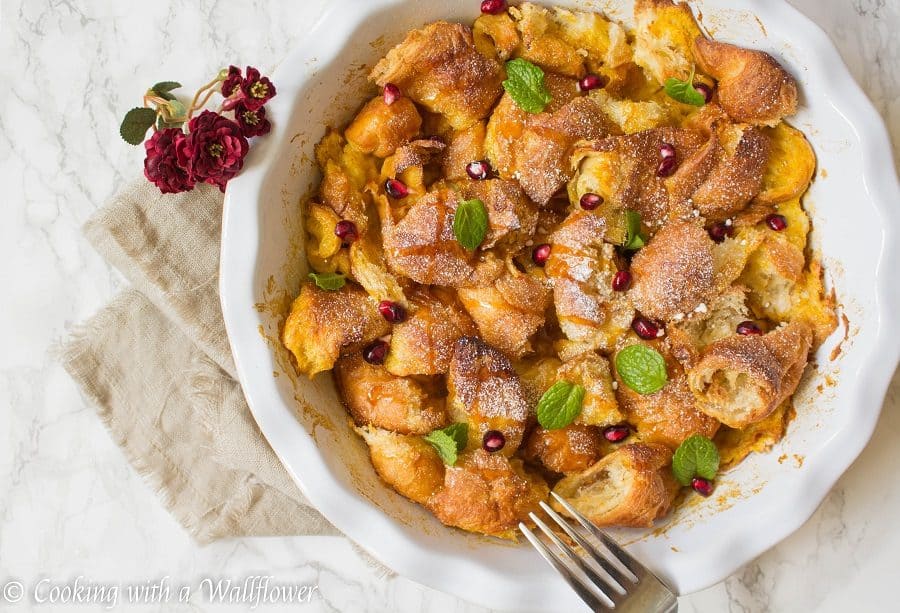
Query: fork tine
[[620, 554], [612, 591], [588, 596], [595, 554]]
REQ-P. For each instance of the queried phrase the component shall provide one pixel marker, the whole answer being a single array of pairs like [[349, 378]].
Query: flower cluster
[[213, 146]]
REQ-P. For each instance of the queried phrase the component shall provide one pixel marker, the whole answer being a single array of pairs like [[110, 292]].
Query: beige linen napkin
[[157, 364]]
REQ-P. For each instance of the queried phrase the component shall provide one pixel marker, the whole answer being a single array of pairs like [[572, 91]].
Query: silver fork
[[610, 580]]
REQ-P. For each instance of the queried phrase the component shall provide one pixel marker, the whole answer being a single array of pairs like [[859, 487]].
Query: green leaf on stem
[[135, 125]]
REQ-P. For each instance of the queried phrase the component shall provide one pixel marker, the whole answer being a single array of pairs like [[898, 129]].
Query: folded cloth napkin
[[157, 365]]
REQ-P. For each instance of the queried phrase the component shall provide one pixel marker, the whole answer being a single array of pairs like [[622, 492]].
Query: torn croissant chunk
[[740, 380], [632, 486]]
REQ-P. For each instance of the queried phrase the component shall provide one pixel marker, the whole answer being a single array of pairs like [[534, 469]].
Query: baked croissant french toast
[[552, 252]]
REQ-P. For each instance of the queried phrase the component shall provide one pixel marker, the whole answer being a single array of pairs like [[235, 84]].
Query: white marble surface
[[71, 505]]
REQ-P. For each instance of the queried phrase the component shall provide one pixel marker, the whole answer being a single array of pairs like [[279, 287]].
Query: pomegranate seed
[[391, 93], [478, 170], [396, 189], [645, 328], [616, 434], [666, 167], [346, 231], [391, 311], [749, 328], [493, 7], [666, 151], [493, 441], [776, 222], [706, 90], [590, 201], [540, 254], [719, 231], [621, 281], [702, 486], [376, 352], [590, 81]]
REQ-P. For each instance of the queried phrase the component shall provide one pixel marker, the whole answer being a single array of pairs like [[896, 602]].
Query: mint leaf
[[642, 368], [683, 91], [697, 456], [329, 281], [135, 125], [450, 441], [470, 223], [633, 237], [560, 405], [163, 88], [525, 85]]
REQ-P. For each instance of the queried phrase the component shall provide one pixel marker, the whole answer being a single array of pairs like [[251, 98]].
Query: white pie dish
[[857, 226]]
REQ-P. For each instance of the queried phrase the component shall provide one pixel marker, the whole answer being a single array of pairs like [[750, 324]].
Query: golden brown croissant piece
[[632, 486], [622, 169], [423, 343], [408, 464], [508, 121], [377, 398], [542, 154], [416, 153], [753, 87], [485, 391], [463, 146], [791, 166], [688, 336], [508, 312], [321, 323], [740, 380], [581, 268], [592, 371], [664, 34], [496, 35], [379, 128], [439, 67], [422, 245], [673, 274], [566, 450], [488, 493], [668, 416], [512, 217]]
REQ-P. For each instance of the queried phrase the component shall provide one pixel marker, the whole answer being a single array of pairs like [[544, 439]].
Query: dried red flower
[[257, 90], [232, 82], [161, 164], [253, 123], [214, 149]]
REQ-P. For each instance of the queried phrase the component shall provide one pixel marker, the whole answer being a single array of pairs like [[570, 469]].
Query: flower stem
[[206, 88]]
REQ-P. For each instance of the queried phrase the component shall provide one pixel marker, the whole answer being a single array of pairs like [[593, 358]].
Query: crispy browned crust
[[736, 177], [322, 323], [422, 246], [375, 397], [648, 496], [485, 391], [753, 87], [418, 153], [407, 463], [634, 159], [542, 154], [740, 380], [439, 67], [463, 146], [668, 416], [512, 217], [673, 274], [380, 128], [487, 493], [688, 337], [423, 343], [508, 312], [570, 449], [341, 196]]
